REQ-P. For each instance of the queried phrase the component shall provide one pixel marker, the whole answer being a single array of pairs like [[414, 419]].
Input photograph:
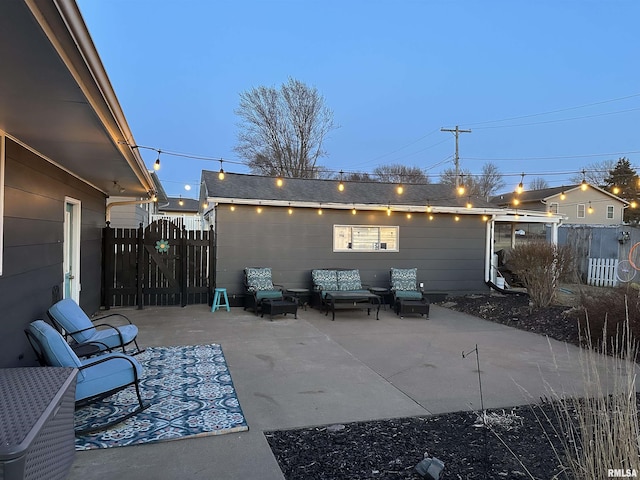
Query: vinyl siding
[[449, 255], [35, 191]]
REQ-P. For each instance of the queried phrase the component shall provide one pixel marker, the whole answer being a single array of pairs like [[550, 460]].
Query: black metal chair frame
[[37, 348], [69, 335]]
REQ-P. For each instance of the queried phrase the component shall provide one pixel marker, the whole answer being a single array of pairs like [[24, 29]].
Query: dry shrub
[[541, 266], [610, 306], [598, 426]]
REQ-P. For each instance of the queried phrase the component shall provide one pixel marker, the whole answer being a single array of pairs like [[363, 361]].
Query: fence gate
[[159, 265]]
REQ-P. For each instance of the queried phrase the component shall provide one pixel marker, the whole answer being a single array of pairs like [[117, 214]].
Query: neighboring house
[[307, 224], [590, 206], [123, 212], [184, 212], [65, 147]]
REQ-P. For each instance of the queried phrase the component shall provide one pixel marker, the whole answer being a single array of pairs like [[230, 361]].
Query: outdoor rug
[[190, 393]]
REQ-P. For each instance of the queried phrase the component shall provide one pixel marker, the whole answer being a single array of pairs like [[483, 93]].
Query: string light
[[290, 209], [456, 218], [520, 187], [388, 210], [583, 184], [353, 210], [616, 190], [430, 217], [409, 214], [156, 166], [461, 186], [563, 195], [181, 202], [590, 209], [279, 181], [341, 184], [400, 189], [232, 207], [221, 172], [469, 204]]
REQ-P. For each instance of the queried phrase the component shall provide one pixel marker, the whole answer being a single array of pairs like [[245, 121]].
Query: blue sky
[[547, 87]]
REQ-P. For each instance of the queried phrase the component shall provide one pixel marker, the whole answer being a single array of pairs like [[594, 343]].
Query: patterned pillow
[[404, 279], [259, 279], [325, 279], [349, 280]]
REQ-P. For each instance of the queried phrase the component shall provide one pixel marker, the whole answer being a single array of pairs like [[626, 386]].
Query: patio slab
[[292, 373]]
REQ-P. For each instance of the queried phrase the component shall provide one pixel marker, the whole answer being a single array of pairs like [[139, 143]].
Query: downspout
[[126, 202], [489, 249]]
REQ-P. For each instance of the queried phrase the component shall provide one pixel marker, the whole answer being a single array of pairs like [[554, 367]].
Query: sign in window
[[361, 238]]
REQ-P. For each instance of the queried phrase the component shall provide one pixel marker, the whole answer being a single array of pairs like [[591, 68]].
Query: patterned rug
[[190, 393]]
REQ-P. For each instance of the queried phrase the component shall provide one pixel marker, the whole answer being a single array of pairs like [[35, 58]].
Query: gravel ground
[[391, 449]]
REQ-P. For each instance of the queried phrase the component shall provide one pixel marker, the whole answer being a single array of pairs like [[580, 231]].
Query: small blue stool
[[216, 300]]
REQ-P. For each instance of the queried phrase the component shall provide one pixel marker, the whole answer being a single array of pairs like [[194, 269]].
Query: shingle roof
[[530, 196], [254, 187], [189, 205]]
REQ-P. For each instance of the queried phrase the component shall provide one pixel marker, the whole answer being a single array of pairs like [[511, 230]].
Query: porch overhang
[[57, 99]]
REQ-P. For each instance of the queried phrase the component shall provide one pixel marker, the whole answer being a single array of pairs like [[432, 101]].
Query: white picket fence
[[602, 272]]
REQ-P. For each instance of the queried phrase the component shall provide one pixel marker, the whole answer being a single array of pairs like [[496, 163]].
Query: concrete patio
[[292, 373]]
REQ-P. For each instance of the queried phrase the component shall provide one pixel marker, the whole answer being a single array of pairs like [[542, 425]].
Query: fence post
[[183, 266], [212, 263], [140, 267], [107, 262]]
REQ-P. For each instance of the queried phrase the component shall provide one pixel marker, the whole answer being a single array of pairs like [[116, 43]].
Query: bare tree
[[538, 183], [400, 174], [595, 173], [490, 180], [282, 131], [483, 185]]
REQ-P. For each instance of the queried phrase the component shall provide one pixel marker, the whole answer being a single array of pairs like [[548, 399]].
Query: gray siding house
[[64, 145], [306, 224]]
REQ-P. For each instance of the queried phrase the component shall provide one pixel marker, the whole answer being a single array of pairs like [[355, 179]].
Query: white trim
[[75, 261], [508, 214], [368, 250], [613, 212], [57, 165]]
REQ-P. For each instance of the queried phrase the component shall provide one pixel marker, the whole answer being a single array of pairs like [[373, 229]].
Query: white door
[[71, 249]]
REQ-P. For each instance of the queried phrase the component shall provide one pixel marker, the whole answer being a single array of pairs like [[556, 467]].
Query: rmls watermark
[[622, 473]]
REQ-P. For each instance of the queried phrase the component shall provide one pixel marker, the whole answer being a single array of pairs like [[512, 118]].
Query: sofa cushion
[[408, 294], [259, 279], [325, 279], [349, 280], [403, 279]]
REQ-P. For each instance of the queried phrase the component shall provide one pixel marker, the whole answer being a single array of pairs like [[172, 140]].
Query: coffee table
[[351, 300]]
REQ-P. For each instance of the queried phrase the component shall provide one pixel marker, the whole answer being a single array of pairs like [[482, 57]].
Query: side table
[[301, 293], [383, 293]]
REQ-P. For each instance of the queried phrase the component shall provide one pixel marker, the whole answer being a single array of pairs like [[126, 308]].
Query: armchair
[[67, 316], [98, 377], [406, 296], [259, 286]]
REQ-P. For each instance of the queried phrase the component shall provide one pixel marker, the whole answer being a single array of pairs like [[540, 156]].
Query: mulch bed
[[390, 449]]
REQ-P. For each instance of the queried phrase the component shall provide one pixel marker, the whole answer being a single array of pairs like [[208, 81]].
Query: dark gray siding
[[449, 255], [33, 236]]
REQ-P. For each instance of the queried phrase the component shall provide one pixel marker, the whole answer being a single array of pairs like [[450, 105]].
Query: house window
[[365, 238], [610, 212], [553, 207], [581, 210]]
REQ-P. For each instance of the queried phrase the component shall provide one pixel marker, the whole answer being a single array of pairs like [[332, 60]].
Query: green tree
[[282, 131], [624, 177]]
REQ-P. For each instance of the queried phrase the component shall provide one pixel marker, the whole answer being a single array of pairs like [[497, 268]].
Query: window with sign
[[365, 238]]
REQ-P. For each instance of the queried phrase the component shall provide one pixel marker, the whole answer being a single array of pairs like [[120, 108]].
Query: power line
[[456, 159]]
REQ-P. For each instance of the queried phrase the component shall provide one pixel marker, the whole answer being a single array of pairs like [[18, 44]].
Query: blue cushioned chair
[[98, 377], [67, 316], [259, 286]]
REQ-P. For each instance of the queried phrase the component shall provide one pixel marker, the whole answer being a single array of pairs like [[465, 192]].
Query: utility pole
[[456, 132]]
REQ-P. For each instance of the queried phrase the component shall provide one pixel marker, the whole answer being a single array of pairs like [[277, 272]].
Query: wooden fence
[[158, 265]]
